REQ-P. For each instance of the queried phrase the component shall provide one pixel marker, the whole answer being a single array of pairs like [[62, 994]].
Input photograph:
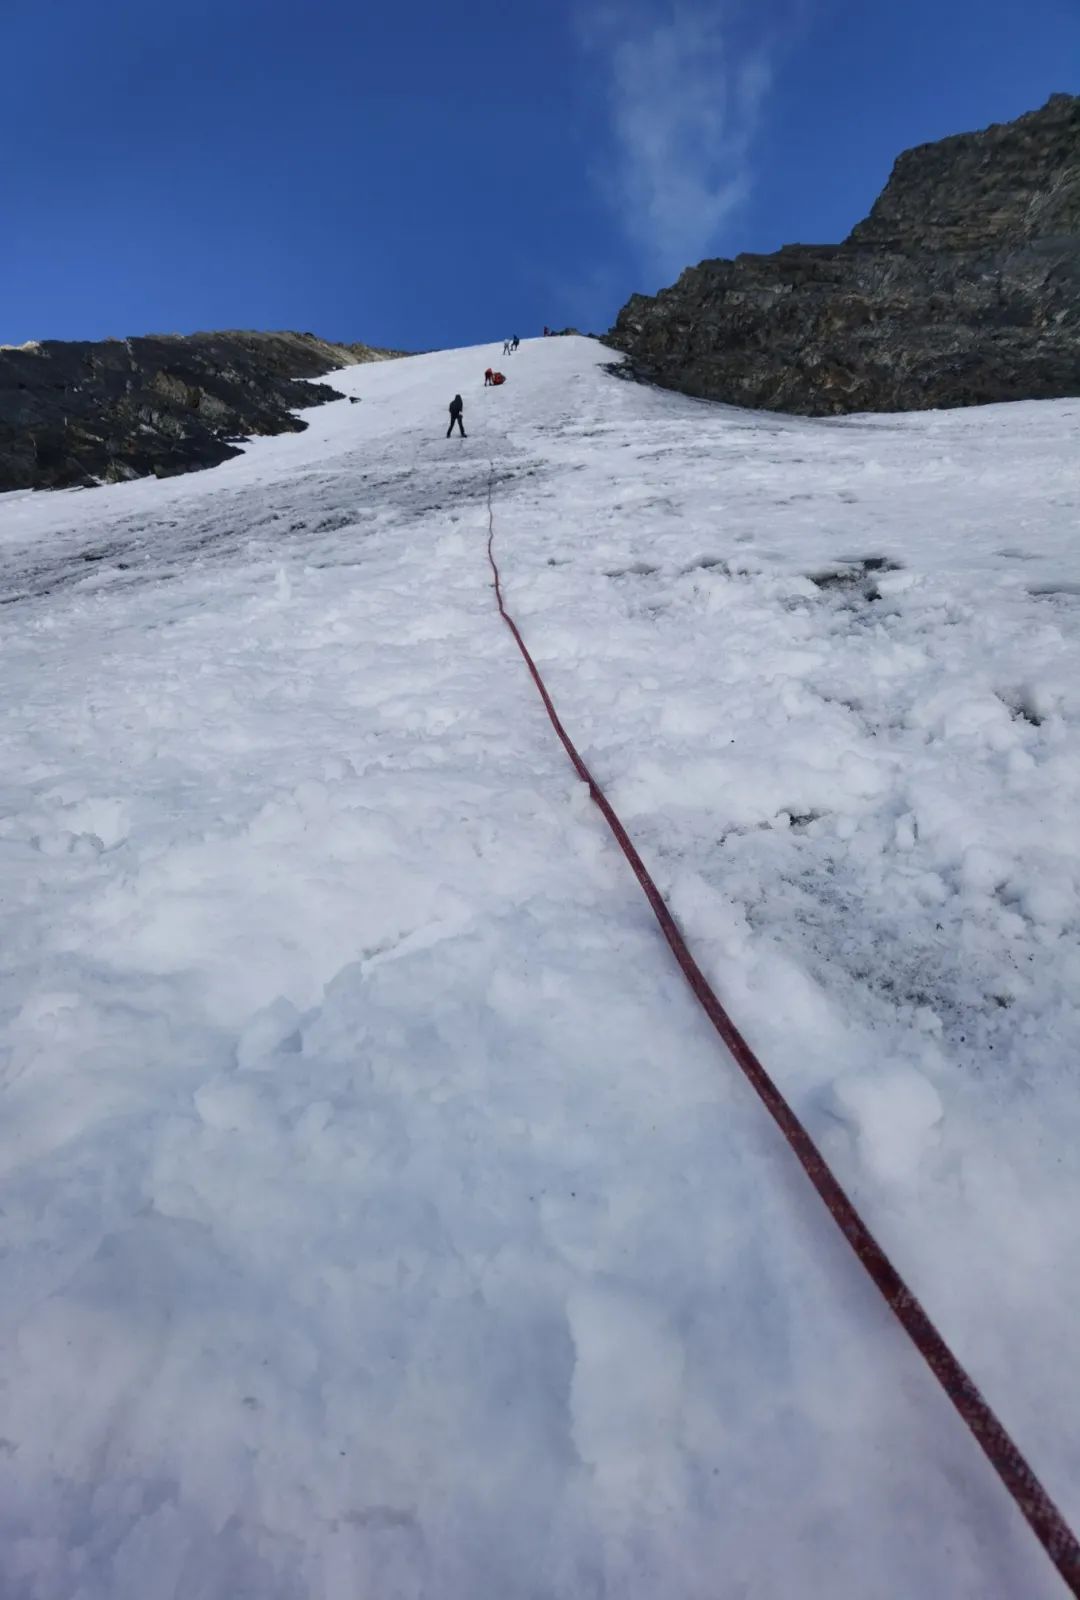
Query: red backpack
[[497, 377]]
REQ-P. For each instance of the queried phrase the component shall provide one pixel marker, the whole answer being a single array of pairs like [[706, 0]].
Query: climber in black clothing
[[456, 408], [514, 342]]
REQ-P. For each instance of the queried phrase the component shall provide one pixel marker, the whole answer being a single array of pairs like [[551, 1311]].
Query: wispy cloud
[[684, 93]]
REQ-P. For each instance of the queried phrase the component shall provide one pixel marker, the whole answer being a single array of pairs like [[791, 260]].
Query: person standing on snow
[[457, 406], [488, 375], [514, 342], [506, 347]]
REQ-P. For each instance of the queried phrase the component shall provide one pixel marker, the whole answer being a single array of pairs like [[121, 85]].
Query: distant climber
[[489, 377], [506, 347], [457, 406], [547, 331], [514, 342]]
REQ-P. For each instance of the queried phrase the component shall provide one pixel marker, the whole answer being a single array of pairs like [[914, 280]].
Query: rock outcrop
[[962, 286], [76, 414]]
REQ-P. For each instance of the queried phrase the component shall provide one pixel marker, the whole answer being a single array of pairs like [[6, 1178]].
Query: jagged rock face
[[961, 287], [76, 414]]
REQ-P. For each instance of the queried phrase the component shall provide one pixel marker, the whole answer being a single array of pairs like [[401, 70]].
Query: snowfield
[[380, 1218]]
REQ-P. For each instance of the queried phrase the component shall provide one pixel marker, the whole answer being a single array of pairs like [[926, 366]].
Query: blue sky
[[425, 175]]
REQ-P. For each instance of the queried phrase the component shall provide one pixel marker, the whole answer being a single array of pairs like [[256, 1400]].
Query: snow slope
[[380, 1218]]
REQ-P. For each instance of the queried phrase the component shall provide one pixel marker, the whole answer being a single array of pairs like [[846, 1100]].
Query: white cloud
[[683, 101]]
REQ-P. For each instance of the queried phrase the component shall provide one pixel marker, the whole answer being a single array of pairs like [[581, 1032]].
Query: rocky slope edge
[[73, 414], [961, 287]]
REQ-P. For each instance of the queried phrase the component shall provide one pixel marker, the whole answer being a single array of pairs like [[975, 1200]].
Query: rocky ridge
[[962, 286], [74, 414]]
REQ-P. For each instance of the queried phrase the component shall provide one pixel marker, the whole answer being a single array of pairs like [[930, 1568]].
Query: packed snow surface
[[381, 1219]]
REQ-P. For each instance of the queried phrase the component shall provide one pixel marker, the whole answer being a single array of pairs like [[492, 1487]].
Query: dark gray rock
[[76, 414], [961, 287]]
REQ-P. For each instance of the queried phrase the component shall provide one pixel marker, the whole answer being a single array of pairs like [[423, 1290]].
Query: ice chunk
[[892, 1112], [274, 1028]]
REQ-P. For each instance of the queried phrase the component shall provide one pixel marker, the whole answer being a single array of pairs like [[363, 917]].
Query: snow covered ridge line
[[987, 1430], [377, 1216], [76, 414]]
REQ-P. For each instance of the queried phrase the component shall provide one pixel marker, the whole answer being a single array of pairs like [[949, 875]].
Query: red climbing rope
[[1043, 1516]]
